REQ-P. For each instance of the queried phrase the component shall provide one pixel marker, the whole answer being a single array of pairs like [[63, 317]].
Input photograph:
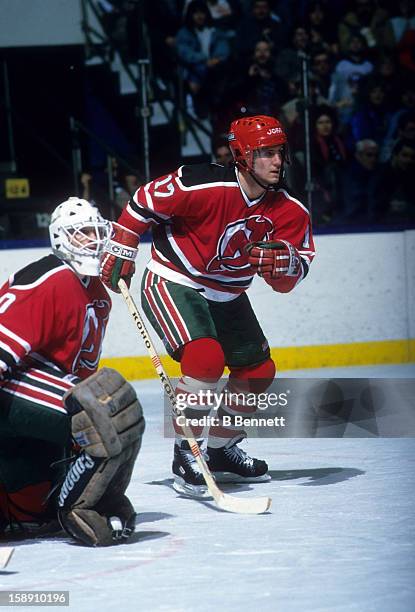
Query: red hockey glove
[[118, 260], [278, 262]]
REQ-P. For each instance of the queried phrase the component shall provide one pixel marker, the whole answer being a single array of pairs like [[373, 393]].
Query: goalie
[[69, 435], [214, 228]]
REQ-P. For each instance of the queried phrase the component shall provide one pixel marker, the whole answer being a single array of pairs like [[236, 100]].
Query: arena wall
[[355, 307]]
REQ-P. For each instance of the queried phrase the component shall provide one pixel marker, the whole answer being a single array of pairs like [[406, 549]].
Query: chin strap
[[265, 187], [258, 182]]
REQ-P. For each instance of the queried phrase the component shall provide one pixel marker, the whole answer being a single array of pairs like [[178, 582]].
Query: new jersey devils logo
[[95, 322], [230, 251]]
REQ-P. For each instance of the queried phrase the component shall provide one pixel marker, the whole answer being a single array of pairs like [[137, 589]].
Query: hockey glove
[[278, 262], [118, 260]]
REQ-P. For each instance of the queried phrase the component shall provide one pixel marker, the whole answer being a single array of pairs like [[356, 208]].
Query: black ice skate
[[188, 479], [231, 464]]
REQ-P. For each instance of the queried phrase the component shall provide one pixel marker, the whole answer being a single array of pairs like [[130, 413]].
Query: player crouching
[[53, 316]]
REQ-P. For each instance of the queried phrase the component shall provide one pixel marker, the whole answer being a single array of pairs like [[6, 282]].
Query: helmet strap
[[258, 182]]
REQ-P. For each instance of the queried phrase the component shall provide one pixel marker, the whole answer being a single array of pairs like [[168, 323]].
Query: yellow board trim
[[289, 358]]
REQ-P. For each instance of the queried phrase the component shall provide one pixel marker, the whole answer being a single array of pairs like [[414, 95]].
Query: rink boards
[[354, 308]]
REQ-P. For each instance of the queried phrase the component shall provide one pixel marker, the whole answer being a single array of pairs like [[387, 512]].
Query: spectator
[[403, 21], [321, 69], [368, 20], [292, 111], [346, 76], [328, 157], [225, 15], [406, 52], [386, 72], [395, 187], [370, 121], [111, 193], [406, 126], [221, 152], [202, 52], [406, 104], [259, 24], [292, 114], [401, 129], [359, 179], [288, 61], [259, 91], [320, 27]]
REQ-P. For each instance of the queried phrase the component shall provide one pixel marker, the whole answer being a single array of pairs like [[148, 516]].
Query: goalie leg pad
[[94, 493], [108, 424], [95, 529], [87, 526], [106, 415]]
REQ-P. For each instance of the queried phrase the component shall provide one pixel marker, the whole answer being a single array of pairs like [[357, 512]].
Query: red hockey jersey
[[202, 221], [48, 314]]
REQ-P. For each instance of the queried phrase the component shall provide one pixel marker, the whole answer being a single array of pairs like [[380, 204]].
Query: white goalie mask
[[79, 234]]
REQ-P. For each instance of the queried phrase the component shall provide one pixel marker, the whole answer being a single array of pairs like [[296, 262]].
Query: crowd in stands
[[237, 57]]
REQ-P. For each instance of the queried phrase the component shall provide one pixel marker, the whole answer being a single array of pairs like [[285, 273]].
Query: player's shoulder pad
[[203, 174], [35, 270]]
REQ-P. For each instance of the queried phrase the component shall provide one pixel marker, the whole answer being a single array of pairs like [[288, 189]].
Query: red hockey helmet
[[251, 133]]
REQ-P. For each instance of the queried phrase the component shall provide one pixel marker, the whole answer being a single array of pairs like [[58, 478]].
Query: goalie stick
[[229, 503], [5, 555]]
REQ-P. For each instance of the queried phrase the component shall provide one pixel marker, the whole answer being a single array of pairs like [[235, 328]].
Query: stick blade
[[5, 555], [239, 505]]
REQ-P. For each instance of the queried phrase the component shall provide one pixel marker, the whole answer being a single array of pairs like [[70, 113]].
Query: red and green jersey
[[50, 315], [202, 221]]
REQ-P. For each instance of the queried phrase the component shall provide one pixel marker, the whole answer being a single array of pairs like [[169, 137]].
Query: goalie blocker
[[107, 424]]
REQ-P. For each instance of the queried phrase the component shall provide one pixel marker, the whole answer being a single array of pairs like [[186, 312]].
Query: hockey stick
[[230, 503], [5, 555]]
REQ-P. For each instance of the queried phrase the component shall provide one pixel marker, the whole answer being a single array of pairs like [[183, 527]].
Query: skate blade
[[196, 491], [229, 477]]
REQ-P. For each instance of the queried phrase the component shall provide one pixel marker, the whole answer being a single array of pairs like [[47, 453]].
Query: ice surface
[[340, 536]]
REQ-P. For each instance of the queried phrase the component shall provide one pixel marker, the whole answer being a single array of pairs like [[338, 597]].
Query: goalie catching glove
[[118, 260], [107, 424], [278, 262]]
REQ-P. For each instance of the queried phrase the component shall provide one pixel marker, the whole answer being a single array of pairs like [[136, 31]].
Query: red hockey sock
[[202, 365], [26, 504], [255, 379]]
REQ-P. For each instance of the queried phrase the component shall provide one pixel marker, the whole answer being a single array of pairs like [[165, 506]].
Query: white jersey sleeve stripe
[[139, 205], [149, 199], [139, 217], [16, 338], [204, 185], [7, 349], [289, 197]]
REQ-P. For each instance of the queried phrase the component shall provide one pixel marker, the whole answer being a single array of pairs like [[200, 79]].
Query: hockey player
[[53, 315], [214, 228]]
